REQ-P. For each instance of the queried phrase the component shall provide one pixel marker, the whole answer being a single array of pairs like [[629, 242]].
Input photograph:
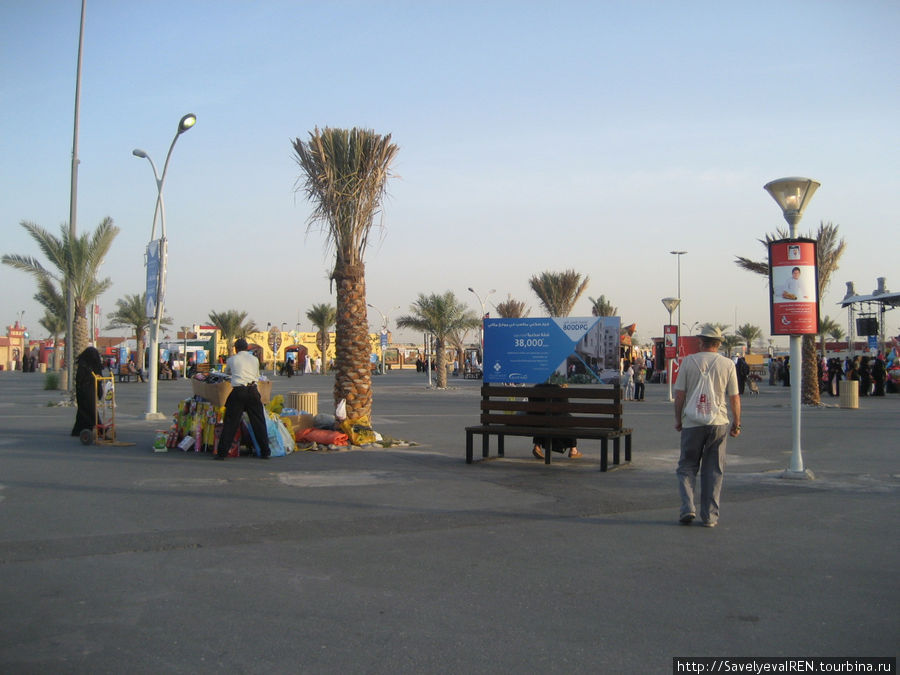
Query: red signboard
[[793, 285], [670, 334]]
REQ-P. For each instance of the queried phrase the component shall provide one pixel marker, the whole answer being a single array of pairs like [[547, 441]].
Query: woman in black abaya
[[87, 390]]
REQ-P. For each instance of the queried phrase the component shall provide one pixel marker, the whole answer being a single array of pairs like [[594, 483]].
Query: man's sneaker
[[710, 523], [687, 518]]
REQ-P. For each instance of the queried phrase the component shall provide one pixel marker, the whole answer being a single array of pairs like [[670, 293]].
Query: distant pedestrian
[[706, 385], [638, 379]]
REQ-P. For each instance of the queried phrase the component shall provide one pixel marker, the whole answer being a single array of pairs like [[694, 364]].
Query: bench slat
[[543, 421]]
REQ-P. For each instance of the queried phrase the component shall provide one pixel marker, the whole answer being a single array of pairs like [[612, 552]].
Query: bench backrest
[[577, 406]]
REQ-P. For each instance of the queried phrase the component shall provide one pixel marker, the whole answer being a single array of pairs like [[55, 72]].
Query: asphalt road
[[119, 559]]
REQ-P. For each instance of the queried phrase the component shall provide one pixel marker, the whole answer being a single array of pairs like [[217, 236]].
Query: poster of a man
[[795, 288]]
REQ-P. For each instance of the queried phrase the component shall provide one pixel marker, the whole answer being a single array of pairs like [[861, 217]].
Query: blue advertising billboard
[[532, 351]]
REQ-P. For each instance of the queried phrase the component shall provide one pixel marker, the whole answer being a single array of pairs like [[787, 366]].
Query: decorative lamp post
[[793, 195], [384, 330], [670, 304], [483, 314], [156, 269]]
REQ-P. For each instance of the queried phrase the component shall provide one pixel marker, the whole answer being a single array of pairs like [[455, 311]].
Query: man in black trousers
[[244, 397]]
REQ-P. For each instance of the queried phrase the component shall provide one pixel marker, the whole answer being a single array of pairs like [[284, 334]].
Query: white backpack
[[702, 406]]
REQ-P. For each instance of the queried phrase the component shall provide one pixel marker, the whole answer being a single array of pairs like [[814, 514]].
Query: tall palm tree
[[442, 316], [748, 333], [344, 174], [231, 324], [829, 249], [322, 316], [131, 313], [603, 307], [75, 263], [512, 309], [558, 291], [827, 326]]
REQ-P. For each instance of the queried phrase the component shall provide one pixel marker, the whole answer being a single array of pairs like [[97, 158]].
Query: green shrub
[[51, 381]]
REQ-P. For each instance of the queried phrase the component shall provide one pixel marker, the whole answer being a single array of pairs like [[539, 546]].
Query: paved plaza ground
[[408, 560]]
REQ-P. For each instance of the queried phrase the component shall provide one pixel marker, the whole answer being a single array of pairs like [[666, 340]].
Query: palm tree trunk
[[353, 375], [440, 363], [80, 338], [810, 390]]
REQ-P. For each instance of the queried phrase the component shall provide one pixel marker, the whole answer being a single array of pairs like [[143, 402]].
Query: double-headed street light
[[793, 195], [678, 255], [156, 268]]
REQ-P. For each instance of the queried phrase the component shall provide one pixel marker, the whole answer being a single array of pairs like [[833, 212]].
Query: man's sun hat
[[711, 332]]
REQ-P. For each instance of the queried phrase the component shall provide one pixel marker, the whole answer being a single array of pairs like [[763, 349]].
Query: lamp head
[[187, 122], [792, 195], [671, 303], [137, 152]]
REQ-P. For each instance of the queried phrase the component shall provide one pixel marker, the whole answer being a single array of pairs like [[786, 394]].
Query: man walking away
[[706, 382]]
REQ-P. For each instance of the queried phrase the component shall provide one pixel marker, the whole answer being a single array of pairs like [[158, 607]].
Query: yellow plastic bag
[[358, 431]]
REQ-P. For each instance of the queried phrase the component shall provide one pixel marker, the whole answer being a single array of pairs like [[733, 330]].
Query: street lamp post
[[793, 195], [156, 278], [384, 329], [483, 314], [670, 304], [678, 255]]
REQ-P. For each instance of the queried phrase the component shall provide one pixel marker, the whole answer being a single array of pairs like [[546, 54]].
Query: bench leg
[[485, 445], [469, 447], [628, 448], [604, 447], [616, 450], [499, 445]]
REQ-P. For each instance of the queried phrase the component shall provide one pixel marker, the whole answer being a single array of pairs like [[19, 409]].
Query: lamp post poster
[[794, 284], [532, 350]]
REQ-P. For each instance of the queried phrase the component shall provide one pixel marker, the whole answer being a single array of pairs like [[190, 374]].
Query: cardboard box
[[214, 393], [217, 393], [265, 390], [298, 422]]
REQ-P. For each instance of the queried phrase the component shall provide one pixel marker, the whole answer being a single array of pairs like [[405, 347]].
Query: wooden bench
[[126, 372], [581, 412]]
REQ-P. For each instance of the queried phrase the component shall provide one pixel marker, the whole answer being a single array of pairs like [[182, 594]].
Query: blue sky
[[533, 136]]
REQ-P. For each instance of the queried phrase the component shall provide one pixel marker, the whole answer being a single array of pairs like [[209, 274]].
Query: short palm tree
[[55, 325], [322, 316], [748, 333], [603, 307], [442, 316], [231, 324], [344, 174], [836, 333], [558, 291], [730, 342], [829, 249], [131, 313], [74, 262], [512, 309], [827, 326]]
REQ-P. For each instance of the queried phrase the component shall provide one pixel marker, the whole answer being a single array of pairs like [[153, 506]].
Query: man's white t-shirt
[[724, 378]]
